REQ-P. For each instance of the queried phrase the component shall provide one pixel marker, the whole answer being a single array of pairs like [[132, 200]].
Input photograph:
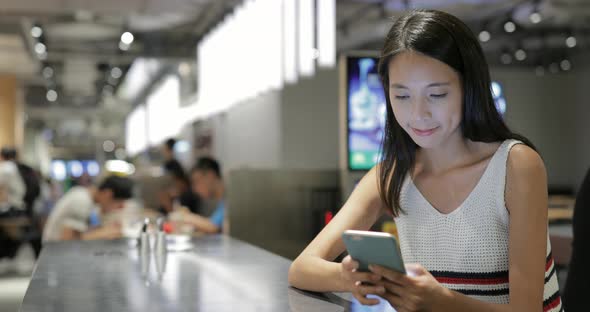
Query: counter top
[[217, 273]]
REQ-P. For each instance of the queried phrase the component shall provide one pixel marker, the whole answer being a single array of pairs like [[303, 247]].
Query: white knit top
[[467, 249]]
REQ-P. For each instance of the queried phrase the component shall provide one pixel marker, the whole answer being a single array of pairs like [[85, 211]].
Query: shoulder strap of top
[[500, 173]]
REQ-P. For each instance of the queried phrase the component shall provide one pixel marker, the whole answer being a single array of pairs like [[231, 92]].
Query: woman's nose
[[420, 110]]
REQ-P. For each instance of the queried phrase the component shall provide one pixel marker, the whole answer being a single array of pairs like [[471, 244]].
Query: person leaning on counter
[[468, 196], [208, 184], [70, 217]]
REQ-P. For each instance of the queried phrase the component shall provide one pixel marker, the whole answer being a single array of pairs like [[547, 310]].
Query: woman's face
[[426, 98]]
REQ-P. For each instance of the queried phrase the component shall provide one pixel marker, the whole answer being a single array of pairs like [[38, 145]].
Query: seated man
[[207, 183], [72, 213]]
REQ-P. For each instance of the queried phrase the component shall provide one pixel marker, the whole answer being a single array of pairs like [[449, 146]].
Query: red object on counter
[[168, 227], [328, 215]]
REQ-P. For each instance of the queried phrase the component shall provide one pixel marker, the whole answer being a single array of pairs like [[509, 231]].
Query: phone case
[[373, 248]]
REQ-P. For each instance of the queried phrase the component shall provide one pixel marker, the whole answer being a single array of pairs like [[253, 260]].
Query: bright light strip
[[76, 168], [162, 108], [92, 168], [139, 75], [275, 48], [136, 131], [58, 170], [290, 41], [230, 57], [119, 166], [326, 31], [306, 37]]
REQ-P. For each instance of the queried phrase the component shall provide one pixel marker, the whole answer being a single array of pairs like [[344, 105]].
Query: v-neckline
[[481, 178]]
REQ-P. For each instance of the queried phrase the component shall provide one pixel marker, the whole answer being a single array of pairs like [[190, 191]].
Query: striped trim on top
[[497, 282]]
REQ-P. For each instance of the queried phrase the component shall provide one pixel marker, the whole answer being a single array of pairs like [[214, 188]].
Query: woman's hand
[[416, 291], [361, 284]]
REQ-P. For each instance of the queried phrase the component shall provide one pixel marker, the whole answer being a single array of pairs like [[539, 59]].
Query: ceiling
[[82, 42]]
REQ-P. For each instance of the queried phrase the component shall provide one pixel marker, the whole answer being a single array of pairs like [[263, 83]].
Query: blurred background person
[[11, 184], [178, 193], [72, 216], [208, 184], [168, 153]]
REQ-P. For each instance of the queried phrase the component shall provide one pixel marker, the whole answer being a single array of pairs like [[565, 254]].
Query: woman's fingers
[[362, 290], [394, 276], [364, 300]]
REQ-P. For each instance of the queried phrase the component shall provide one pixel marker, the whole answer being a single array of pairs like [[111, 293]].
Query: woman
[[469, 197]]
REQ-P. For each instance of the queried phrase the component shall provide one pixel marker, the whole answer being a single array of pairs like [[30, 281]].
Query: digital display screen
[[366, 112]]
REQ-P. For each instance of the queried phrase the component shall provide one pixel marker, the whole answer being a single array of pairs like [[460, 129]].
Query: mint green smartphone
[[379, 248]]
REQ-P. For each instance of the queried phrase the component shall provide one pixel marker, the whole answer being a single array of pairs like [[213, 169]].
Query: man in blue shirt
[[208, 184]]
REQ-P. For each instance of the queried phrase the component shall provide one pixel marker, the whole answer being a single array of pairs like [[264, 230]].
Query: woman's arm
[[526, 201], [313, 269]]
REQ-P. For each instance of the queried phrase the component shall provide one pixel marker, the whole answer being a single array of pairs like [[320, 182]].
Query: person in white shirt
[[12, 186], [72, 213]]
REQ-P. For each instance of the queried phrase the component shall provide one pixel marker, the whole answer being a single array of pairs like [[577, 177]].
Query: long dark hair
[[446, 38]]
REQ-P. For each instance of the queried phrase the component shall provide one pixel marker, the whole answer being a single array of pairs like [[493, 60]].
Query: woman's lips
[[424, 132]]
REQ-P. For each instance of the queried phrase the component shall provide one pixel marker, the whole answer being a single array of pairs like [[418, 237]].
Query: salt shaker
[[145, 248], [161, 250]]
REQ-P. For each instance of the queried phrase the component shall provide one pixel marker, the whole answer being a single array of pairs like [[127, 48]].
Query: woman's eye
[[440, 95], [401, 97]]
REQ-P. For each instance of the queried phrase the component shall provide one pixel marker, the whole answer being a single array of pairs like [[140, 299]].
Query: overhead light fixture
[[51, 95], [509, 26], [47, 72], [36, 32], [108, 146], [520, 55], [127, 38], [40, 48], [571, 41], [116, 72], [535, 17], [565, 65], [120, 153], [484, 36]]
